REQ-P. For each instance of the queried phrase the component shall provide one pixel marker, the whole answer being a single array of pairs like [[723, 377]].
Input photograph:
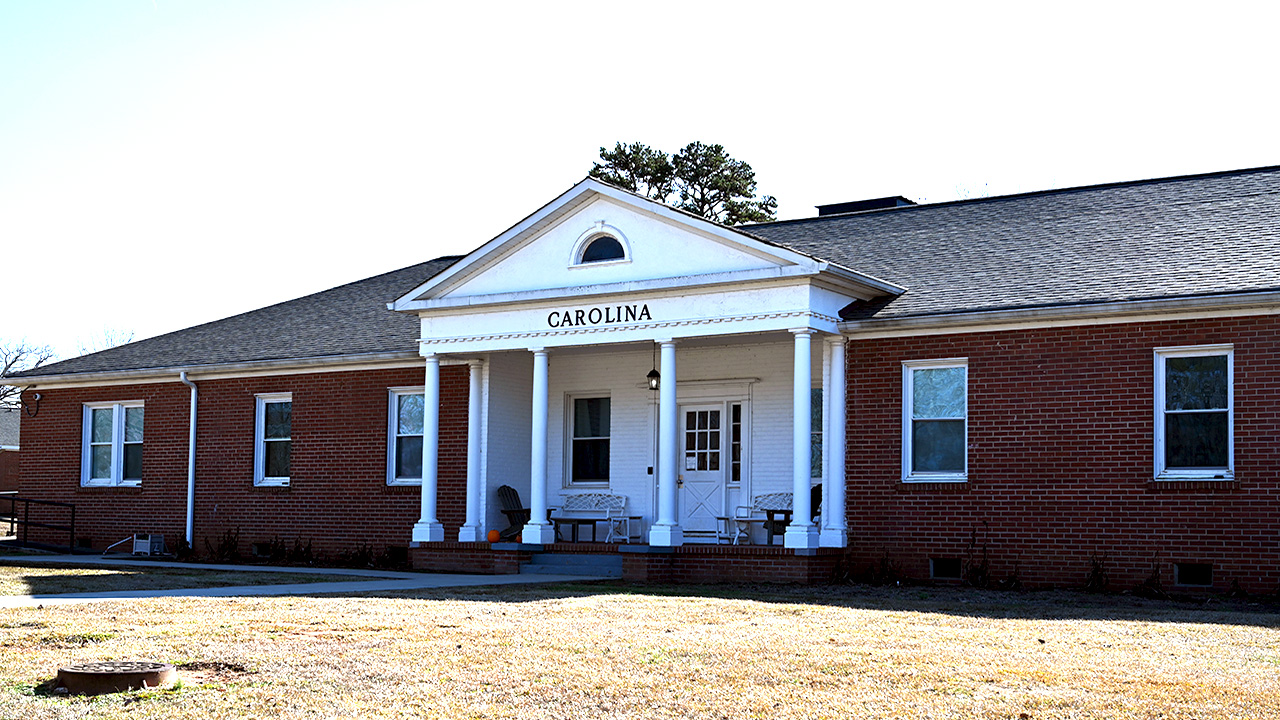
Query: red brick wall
[[702, 564], [8, 470], [337, 499], [1060, 459]]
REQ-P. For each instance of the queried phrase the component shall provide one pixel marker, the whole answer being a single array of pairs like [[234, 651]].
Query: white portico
[[562, 317]]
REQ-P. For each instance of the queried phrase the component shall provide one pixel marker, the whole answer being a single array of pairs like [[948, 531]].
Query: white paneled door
[[703, 468]]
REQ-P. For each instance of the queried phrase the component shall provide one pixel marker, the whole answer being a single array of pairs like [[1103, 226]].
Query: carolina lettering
[[608, 315]]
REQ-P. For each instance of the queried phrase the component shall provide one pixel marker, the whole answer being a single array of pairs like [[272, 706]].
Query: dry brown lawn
[[619, 651], [17, 579]]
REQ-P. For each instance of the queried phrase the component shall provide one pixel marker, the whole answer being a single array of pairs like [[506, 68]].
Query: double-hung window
[[1193, 423], [112, 444], [404, 436], [935, 420], [589, 454], [815, 433], [273, 439]]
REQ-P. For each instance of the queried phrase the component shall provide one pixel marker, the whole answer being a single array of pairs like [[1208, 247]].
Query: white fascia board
[[294, 366], [580, 194], [547, 214], [858, 283], [1246, 304], [687, 282]]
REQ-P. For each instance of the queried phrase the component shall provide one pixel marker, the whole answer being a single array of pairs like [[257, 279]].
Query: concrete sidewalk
[[362, 581]]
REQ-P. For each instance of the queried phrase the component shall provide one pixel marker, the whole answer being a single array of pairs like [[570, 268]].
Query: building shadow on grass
[[954, 601]]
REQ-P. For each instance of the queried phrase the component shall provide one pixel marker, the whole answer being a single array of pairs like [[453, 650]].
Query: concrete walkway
[[361, 581]]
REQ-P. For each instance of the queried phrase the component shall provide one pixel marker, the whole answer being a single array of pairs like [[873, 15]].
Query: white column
[[666, 531], [538, 531], [470, 530], [428, 528], [801, 533], [835, 531]]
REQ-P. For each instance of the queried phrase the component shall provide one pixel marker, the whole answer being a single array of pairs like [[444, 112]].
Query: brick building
[[1048, 387], [9, 445]]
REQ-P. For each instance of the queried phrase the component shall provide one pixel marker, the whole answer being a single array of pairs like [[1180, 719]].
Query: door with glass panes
[[707, 461]]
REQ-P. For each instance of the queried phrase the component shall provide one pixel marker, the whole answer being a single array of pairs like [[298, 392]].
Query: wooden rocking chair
[[517, 514]]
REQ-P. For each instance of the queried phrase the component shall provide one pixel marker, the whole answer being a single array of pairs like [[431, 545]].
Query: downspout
[[191, 464]]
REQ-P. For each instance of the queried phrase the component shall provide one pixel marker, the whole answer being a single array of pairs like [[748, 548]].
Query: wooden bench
[[587, 509]]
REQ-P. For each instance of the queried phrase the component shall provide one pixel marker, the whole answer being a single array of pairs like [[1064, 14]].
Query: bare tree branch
[[104, 339], [15, 357]]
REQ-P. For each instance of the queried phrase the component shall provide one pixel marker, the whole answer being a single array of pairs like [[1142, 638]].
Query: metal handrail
[[26, 522]]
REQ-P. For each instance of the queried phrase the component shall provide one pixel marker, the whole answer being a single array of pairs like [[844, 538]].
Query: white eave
[[206, 372], [1152, 310]]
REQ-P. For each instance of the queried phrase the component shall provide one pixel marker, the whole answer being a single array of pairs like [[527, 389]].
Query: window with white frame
[[935, 421], [589, 440], [273, 439], [1193, 403], [112, 444], [815, 432], [602, 248], [404, 436]]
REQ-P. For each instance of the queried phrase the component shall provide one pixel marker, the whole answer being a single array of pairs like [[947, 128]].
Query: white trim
[[1161, 472], [266, 368], [908, 472], [703, 283], [1243, 305], [393, 405], [117, 443], [607, 329], [259, 430], [9, 448], [598, 230]]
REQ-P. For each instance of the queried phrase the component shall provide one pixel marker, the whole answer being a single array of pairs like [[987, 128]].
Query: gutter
[[332, 362], [1251, 303], [191, 464]]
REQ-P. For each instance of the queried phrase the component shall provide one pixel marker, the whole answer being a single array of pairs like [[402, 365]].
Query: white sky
[[168, 163]]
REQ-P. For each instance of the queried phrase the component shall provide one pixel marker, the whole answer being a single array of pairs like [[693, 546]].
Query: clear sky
[[167, 163]]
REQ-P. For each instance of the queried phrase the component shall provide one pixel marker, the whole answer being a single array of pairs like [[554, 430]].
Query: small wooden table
[[777, 519], [575, 523]]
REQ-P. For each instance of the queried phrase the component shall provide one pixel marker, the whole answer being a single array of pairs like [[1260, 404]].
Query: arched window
[[602, 248]]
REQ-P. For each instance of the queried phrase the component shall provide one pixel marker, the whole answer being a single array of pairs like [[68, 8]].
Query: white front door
[[703, 468]]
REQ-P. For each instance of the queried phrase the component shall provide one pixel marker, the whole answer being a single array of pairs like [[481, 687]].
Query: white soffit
[[666, 247]]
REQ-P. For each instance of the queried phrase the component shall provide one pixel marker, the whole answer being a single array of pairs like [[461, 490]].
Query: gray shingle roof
[[9, 421], [1176, 237], [1189, 236], [352, 319]]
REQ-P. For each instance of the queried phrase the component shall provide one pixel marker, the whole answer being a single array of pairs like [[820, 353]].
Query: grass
[[18, 579], [618, 651]]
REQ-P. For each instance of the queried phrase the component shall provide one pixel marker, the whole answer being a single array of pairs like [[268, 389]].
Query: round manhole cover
[[95, 678]]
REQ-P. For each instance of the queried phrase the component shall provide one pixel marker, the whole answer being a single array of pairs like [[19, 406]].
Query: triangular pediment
[[543, 255]]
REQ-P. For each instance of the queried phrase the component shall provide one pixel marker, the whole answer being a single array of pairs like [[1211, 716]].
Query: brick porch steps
[[598, 565]]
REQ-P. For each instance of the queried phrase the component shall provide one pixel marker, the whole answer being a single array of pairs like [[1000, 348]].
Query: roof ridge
[[1029, 194]]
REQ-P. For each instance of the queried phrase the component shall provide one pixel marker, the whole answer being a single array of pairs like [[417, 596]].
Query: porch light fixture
[[653, 378]]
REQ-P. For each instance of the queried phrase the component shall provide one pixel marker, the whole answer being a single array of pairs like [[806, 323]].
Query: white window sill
[[405, 482], [1211, 475], [600, 263], [935, 479], [271, 482], [109, 484]]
